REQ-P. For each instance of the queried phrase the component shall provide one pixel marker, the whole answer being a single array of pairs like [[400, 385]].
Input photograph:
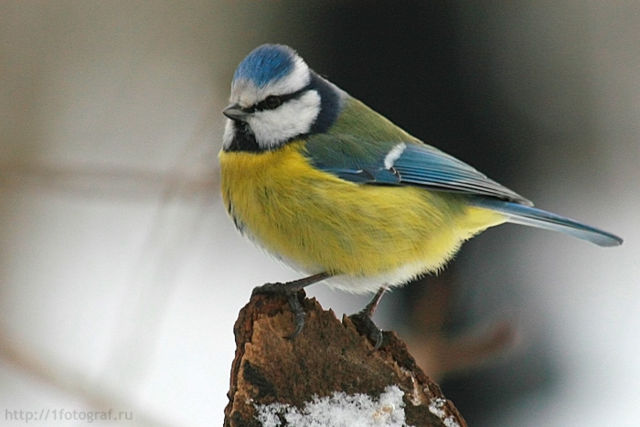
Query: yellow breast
[[319, 222]]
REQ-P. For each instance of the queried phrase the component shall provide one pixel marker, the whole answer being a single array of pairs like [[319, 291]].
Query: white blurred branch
[[107, 181]]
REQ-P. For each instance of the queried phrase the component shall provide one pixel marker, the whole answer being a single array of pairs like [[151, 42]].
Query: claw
[[299, 315], [291, 290], [270, 289], [291, 293], [366, 326]]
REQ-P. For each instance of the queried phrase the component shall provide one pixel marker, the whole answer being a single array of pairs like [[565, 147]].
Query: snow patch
[[339, 409], [435, 407]]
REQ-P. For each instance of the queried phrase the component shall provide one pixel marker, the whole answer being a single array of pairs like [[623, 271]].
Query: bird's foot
[[293, 298], [365, 326], [291, 290], [364, 323]]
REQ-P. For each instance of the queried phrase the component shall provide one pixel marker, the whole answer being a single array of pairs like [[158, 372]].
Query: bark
[[328, 356]]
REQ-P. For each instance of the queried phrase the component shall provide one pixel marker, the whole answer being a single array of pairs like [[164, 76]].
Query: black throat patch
[[243, 138]]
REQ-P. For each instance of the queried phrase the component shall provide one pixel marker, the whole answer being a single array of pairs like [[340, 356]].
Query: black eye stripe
[[274, 101]]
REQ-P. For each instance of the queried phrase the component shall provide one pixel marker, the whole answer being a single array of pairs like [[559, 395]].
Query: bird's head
[[276, 98]]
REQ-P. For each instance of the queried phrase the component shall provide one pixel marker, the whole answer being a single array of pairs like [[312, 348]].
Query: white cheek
[[295, 117]]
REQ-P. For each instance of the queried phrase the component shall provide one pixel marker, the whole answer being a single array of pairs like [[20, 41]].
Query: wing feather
[[366, 162]]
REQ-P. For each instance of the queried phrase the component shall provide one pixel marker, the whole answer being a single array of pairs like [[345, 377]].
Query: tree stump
[[328, 359]]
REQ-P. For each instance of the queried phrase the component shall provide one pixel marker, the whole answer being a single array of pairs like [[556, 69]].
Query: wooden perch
[[329, 356]]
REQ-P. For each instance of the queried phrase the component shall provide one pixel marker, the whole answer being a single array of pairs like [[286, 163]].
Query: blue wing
[[402, 163]]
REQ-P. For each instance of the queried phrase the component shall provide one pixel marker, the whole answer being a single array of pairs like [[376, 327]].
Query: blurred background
[[121, 276]]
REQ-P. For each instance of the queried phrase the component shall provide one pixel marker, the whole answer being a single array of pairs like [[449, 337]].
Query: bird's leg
[[364, 323], [290, 290]]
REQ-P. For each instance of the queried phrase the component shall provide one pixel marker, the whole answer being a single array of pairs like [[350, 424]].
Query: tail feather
[[534, 217]]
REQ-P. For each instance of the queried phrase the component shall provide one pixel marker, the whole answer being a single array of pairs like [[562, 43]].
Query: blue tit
[[339, 192]]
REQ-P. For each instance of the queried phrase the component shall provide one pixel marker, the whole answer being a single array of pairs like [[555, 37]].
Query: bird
[[340, 193]]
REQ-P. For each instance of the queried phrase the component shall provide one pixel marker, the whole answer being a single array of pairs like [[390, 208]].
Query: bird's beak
[[235, 112]]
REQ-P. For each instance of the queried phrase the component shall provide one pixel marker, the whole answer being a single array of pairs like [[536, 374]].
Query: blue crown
[[265, 64]]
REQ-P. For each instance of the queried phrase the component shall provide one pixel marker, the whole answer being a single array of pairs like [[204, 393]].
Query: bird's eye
[[272, 102]]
